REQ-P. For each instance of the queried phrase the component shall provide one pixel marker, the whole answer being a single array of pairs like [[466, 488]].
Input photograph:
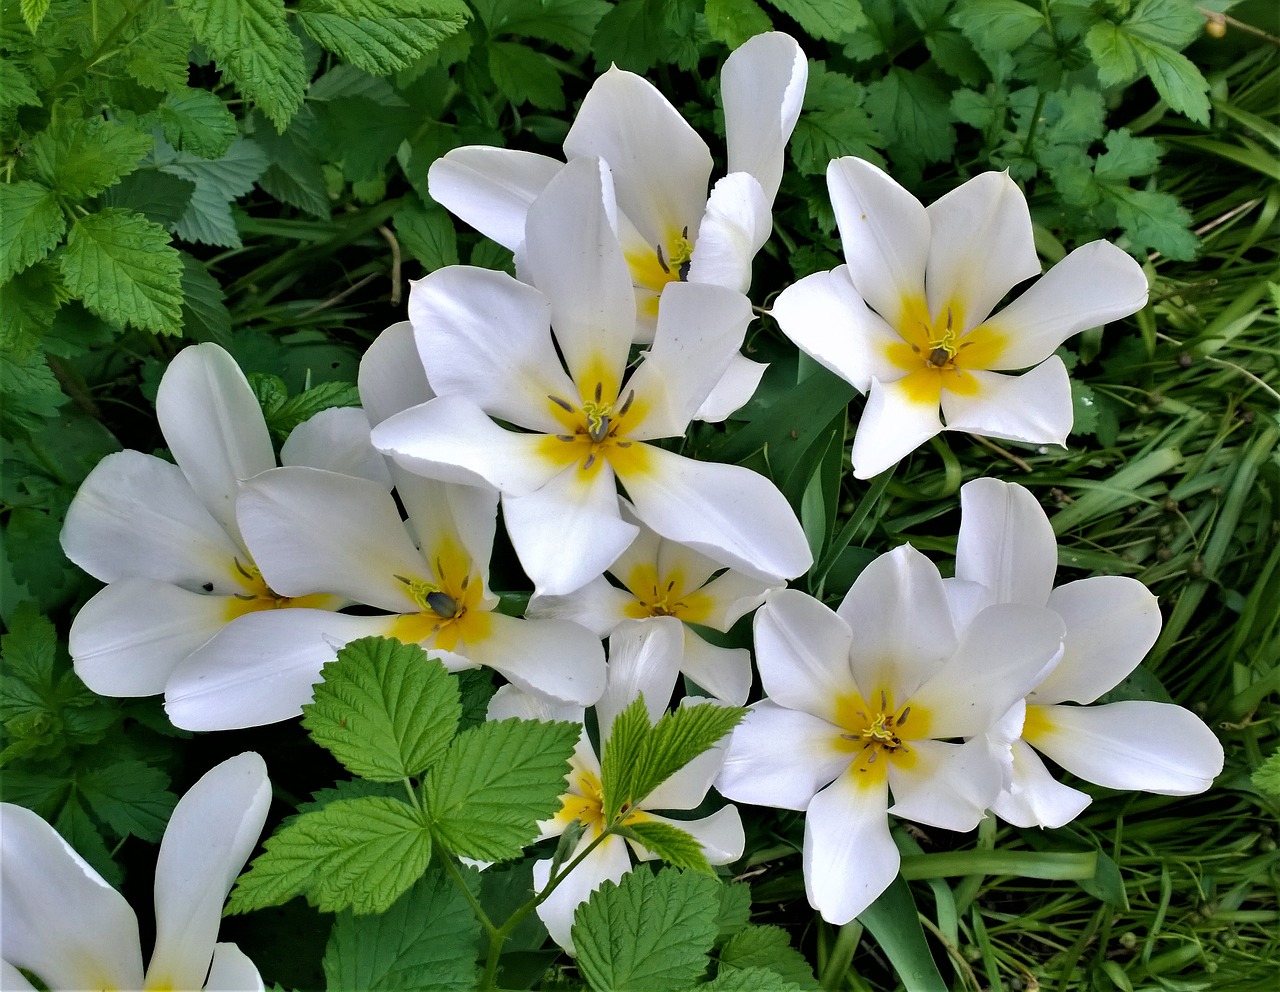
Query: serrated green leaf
[[255, 49], [28, 650], [205, 316], [649, 933], [16, 89], [826, 20], [1266, 777], [426, 942], [1153, 220], [632, 35], [357, 854], [33, 12], [31, 223], [1177, 79], [198, 122], [674, 846], [1084, 409], [156, 55], [751, 980], [735, 909], [385, 710], [218, 181], [30, 390], [821, 135], [124, 269], [999, 25], [496, 781], [768, 948], [81, 158], [522, 74], [736, 21], [567, 23], [305, 405], [912, 111], [365, 134], [78, 830], [131, 796], [620, 761], [158, 196], [381, 36], [1112, 53], [675, 740], [427, 234], [294, 175]]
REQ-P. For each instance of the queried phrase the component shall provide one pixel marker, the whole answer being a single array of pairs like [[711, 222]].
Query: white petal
[[609, 862], [1035, 798], [61, 920], [727, 512], [885, 232], [391, 375], [491, 188], [512, 701], [1095, 284], [736, 225], [552, 657], [137, 516], [128, 639], [598, 606], [687, 788], [487, 337], [312, 531], [452, 439], [644, 660], [1112, 621], [762, 85], [981, 248], [966, 599], [780, 757], [723, 672], [213, 829], [213, 425], [660, 165], [898, 611], [849, 854], [337, 440], [12, 980], [232, 971], [734, 390], [260, 669], [720, 835], [944, 785], [1135, 744], [569, 531], [893, 425], [445, 518], [575, 260], [1006, 543], [1034, 407], [1002, 655], [802, 651], [827, 319], [733, 595]]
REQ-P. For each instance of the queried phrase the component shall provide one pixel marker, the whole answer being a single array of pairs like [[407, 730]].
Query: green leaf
[[638, 34], [255, 49], [426, 941], [30, 390], [427, 234], [674, 846], [1266, 777], [751, 980], [1177, 79], [357, 854], [294, 175], [381, 36], [28, 650], [767, 948], [156, 55], [675, 740], [78, 830], [522, 74], [496, 781], [205, 316], [913, 113], [826, 20], [15, 87], [81, 158], [33, 12], [736, 21], [735, 909], [157, 195], [385, 710], [620, 761], [997, 25], [1154, 220], [893, 921], [31, 223], [218, 181], [125, 270], [832, 123], [131, 796], [196, 121], [1084, 409], [567, 23], [649, 933]]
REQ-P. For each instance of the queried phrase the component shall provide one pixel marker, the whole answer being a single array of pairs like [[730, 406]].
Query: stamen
[[663, 262], [564, 437], [243, 571], [623, 444], [599, 390], [591, 460], [443, 605], [562, 404], [626, 405], [906, 712]]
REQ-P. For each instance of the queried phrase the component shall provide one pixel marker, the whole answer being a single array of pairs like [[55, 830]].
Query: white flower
[[587, 415], [644, 659], [1007, 554], [670, 229], [69, 928], [923, 338], [865, 700], [165, 536]]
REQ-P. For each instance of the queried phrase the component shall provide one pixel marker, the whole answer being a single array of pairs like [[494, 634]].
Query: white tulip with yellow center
[[585, 413], [644, 659], [1007, 553], [884, 696], [671, 230], [66, 926], [165, 536], [662, 578], [908, 318]]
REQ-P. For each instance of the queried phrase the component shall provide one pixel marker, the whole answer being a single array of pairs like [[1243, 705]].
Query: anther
[[626, 404], [599, 390], [663, 262], [591, 460], [443, 605], [243, 571], [564, 437], [906, 712], [562, 404]]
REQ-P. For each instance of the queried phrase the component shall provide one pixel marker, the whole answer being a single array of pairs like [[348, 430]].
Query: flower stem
[[847, 533]]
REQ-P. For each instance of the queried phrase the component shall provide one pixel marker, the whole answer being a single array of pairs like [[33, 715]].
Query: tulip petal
[[1093, 285], [762, 85], [734, 390], [720, 835], [802, 651], [723, 672], [1034, 407], [849, 854], [1035, 798], [337, 440], [1006, 543], [644, 660], [214, 828], [732, 595], [608, 862], [61, 921], [944, 785], [550, 657], [232, 971], [897, 420], [491, 188], [598, 606], [1135, 744], [735, 226], [391, 375], [780, 757]]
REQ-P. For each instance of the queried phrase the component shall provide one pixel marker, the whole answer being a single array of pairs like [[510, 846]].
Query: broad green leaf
[[826, 20], [218, 181], [675, 740], [751, 980], [735, 909], [912, 111], [77, 829], [522, 74], [33, 12], [893, 921], [357, 854], [196, 121], [28, 650], [633, 35], [81, 158], [15, 87], [495, 783], [205, 316], [427, 234], [1084, 409], [648, 933], [124, 269], [305, 405], [252, 43], [674, 846], [999, 25], [156, 55], [157, 195], [131, 796], [1266, 777], [381, 36], [833, 123], [567, 23], [294, 175], [620, 761], [1154, 220], [769, 948], [736, 21], [1113, 54], [1177, 79], [30, 390], [31, 223], [426, 942], [384, 709]]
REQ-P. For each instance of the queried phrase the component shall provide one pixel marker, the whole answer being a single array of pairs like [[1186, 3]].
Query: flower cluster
[[559, 397]]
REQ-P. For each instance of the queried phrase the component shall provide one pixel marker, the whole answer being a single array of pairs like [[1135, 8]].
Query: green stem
[[447, 858], [851, 527]]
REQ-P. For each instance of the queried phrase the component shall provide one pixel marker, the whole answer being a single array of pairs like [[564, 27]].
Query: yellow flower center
[[664, 596], [652, 268], [937, 354], [259, 596], [449, 604], [596, 431], [871, 732], [584, 802]]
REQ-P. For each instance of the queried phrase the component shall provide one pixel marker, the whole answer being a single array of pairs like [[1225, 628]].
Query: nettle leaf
[[205, 316], [31, 223], [130, 796], [912, 111], [736, 21], [735, 909], [522, 74], [197, 121], [81, 158], [124, 269], [1266, 777], [1153, 220], [156, 55], [28, 650], [252, 43], [385, 710], [31, 391], [676, 739], [619, 764], [426, 941], [496, 781], [16, 89], [768, 948], [381, 36], [33, 12], [427, 234], [752, 980], [674, 846], [218, 181], [648, 933], [294, 175], [358, 854], [567, 23], [826, 20], [996, 25], [638, 34]]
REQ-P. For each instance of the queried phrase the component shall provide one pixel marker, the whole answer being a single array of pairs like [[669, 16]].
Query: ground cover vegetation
[[256, 178]]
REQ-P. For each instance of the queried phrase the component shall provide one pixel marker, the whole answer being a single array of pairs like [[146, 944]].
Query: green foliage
[[31, 224], [284, 412], [381, 36], [674, 846], [766, 948], [1266, 777]]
